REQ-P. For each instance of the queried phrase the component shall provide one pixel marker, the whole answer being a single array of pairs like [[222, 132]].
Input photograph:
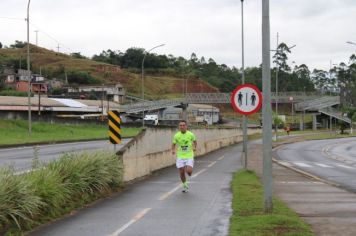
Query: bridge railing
[[316, 104]]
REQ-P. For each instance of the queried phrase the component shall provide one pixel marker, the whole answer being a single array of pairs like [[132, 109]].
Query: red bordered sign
[[246, 99]]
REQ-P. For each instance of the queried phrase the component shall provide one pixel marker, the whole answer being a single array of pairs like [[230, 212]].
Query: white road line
[[301, 164], [298, 182], [167, 194], [136, 218], [198, 173], [343, 166], [323, 165], [211, 164], [220, 158]]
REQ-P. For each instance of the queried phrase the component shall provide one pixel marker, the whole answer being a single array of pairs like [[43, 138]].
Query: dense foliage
[[223, 77]]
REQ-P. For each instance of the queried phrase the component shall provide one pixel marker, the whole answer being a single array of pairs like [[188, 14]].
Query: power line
[[12, 18], [51, 37], [39, 30]]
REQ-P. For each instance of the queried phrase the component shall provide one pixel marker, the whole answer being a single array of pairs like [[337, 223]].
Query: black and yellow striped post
[[114, 127]]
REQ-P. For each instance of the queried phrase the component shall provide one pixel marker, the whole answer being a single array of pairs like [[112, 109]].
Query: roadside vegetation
[[16, 132], [55, 189], [331, 135], [248, 217]]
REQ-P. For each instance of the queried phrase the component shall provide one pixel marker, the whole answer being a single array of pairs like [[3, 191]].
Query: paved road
[[21, 157], [156, 206], [333, 159]]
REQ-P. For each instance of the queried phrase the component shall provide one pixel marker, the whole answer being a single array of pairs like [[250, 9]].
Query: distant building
[[197, 113], [208, 113], [114, 92], [37, 87], [22, 75], [55, 83], [10, 77]]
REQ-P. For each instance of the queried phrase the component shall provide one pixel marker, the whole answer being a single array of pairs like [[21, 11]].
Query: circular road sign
[[246, 99]]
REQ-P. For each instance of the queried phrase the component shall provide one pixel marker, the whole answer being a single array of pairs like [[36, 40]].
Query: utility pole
[[244, 117], [276, 95], [36, 37], [102, 102], [39, 101], [58, 48], [266, 109], [28, 69]]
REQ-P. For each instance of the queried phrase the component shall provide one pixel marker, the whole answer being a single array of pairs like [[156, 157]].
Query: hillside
[[54, 65]]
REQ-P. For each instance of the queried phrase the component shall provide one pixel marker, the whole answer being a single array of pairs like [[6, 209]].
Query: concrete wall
[[151, 149]]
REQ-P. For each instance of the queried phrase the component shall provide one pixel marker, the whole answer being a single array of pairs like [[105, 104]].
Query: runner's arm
[[173, 148], [195, 145]]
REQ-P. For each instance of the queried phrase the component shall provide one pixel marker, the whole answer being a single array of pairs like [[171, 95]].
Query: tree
[[320, 79], [346, 80], [18, 44], [280, 57], [77, 55], [0, 45]]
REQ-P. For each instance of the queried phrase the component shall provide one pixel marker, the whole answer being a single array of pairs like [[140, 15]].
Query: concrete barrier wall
[[151, 149]]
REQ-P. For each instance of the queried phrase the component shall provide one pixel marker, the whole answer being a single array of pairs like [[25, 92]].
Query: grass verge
[[329, 136], [54, 189], [16, 132], [248, 217]]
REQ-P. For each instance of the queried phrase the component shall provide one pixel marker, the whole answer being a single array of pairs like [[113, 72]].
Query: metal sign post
[[246, 100]]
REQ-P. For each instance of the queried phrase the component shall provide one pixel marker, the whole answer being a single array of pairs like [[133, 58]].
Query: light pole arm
[[142, 79]]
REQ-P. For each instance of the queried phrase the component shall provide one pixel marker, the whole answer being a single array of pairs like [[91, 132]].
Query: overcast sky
[[210, 28]]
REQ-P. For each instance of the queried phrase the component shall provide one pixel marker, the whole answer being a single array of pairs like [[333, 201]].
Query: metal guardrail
[[220, 98], [316, 104], [150, 105], [225, 98], [332, 112]]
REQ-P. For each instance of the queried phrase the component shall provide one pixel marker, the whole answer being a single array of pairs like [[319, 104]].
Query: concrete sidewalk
[[329, 210]]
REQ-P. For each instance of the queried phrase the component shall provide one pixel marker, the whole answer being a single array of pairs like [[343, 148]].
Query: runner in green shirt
[[184, 145]]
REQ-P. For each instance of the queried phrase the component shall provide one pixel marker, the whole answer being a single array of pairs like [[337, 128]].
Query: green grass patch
[[248, 217], [16, 132], [329, 136], [55, 189]]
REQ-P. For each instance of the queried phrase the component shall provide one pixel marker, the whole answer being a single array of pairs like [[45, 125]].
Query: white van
[[151, 119]]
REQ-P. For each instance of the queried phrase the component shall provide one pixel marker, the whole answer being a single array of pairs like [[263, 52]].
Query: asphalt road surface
[[156, 206], [21, 157], [331, 159]]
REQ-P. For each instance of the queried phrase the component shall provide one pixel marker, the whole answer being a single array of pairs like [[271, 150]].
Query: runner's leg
[[189, 166], [182, 174], [189, 170]]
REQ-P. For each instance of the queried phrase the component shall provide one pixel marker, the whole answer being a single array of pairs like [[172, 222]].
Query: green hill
[[85, 71]]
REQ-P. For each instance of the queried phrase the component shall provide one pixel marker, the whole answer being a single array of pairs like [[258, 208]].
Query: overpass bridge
[[210, 98], [311, 103]]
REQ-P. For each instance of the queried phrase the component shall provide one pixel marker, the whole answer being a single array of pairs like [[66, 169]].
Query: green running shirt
[[185, 144]]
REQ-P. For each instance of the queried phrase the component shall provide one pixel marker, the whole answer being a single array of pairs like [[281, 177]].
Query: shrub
[[56, 188]]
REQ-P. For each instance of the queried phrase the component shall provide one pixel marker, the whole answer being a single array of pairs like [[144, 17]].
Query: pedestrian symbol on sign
[[246, 99]]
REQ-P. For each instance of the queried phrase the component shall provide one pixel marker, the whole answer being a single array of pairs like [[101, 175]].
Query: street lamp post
[[244, 118], [276, 95], [142, 80], [28, 68], [266, 109]]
